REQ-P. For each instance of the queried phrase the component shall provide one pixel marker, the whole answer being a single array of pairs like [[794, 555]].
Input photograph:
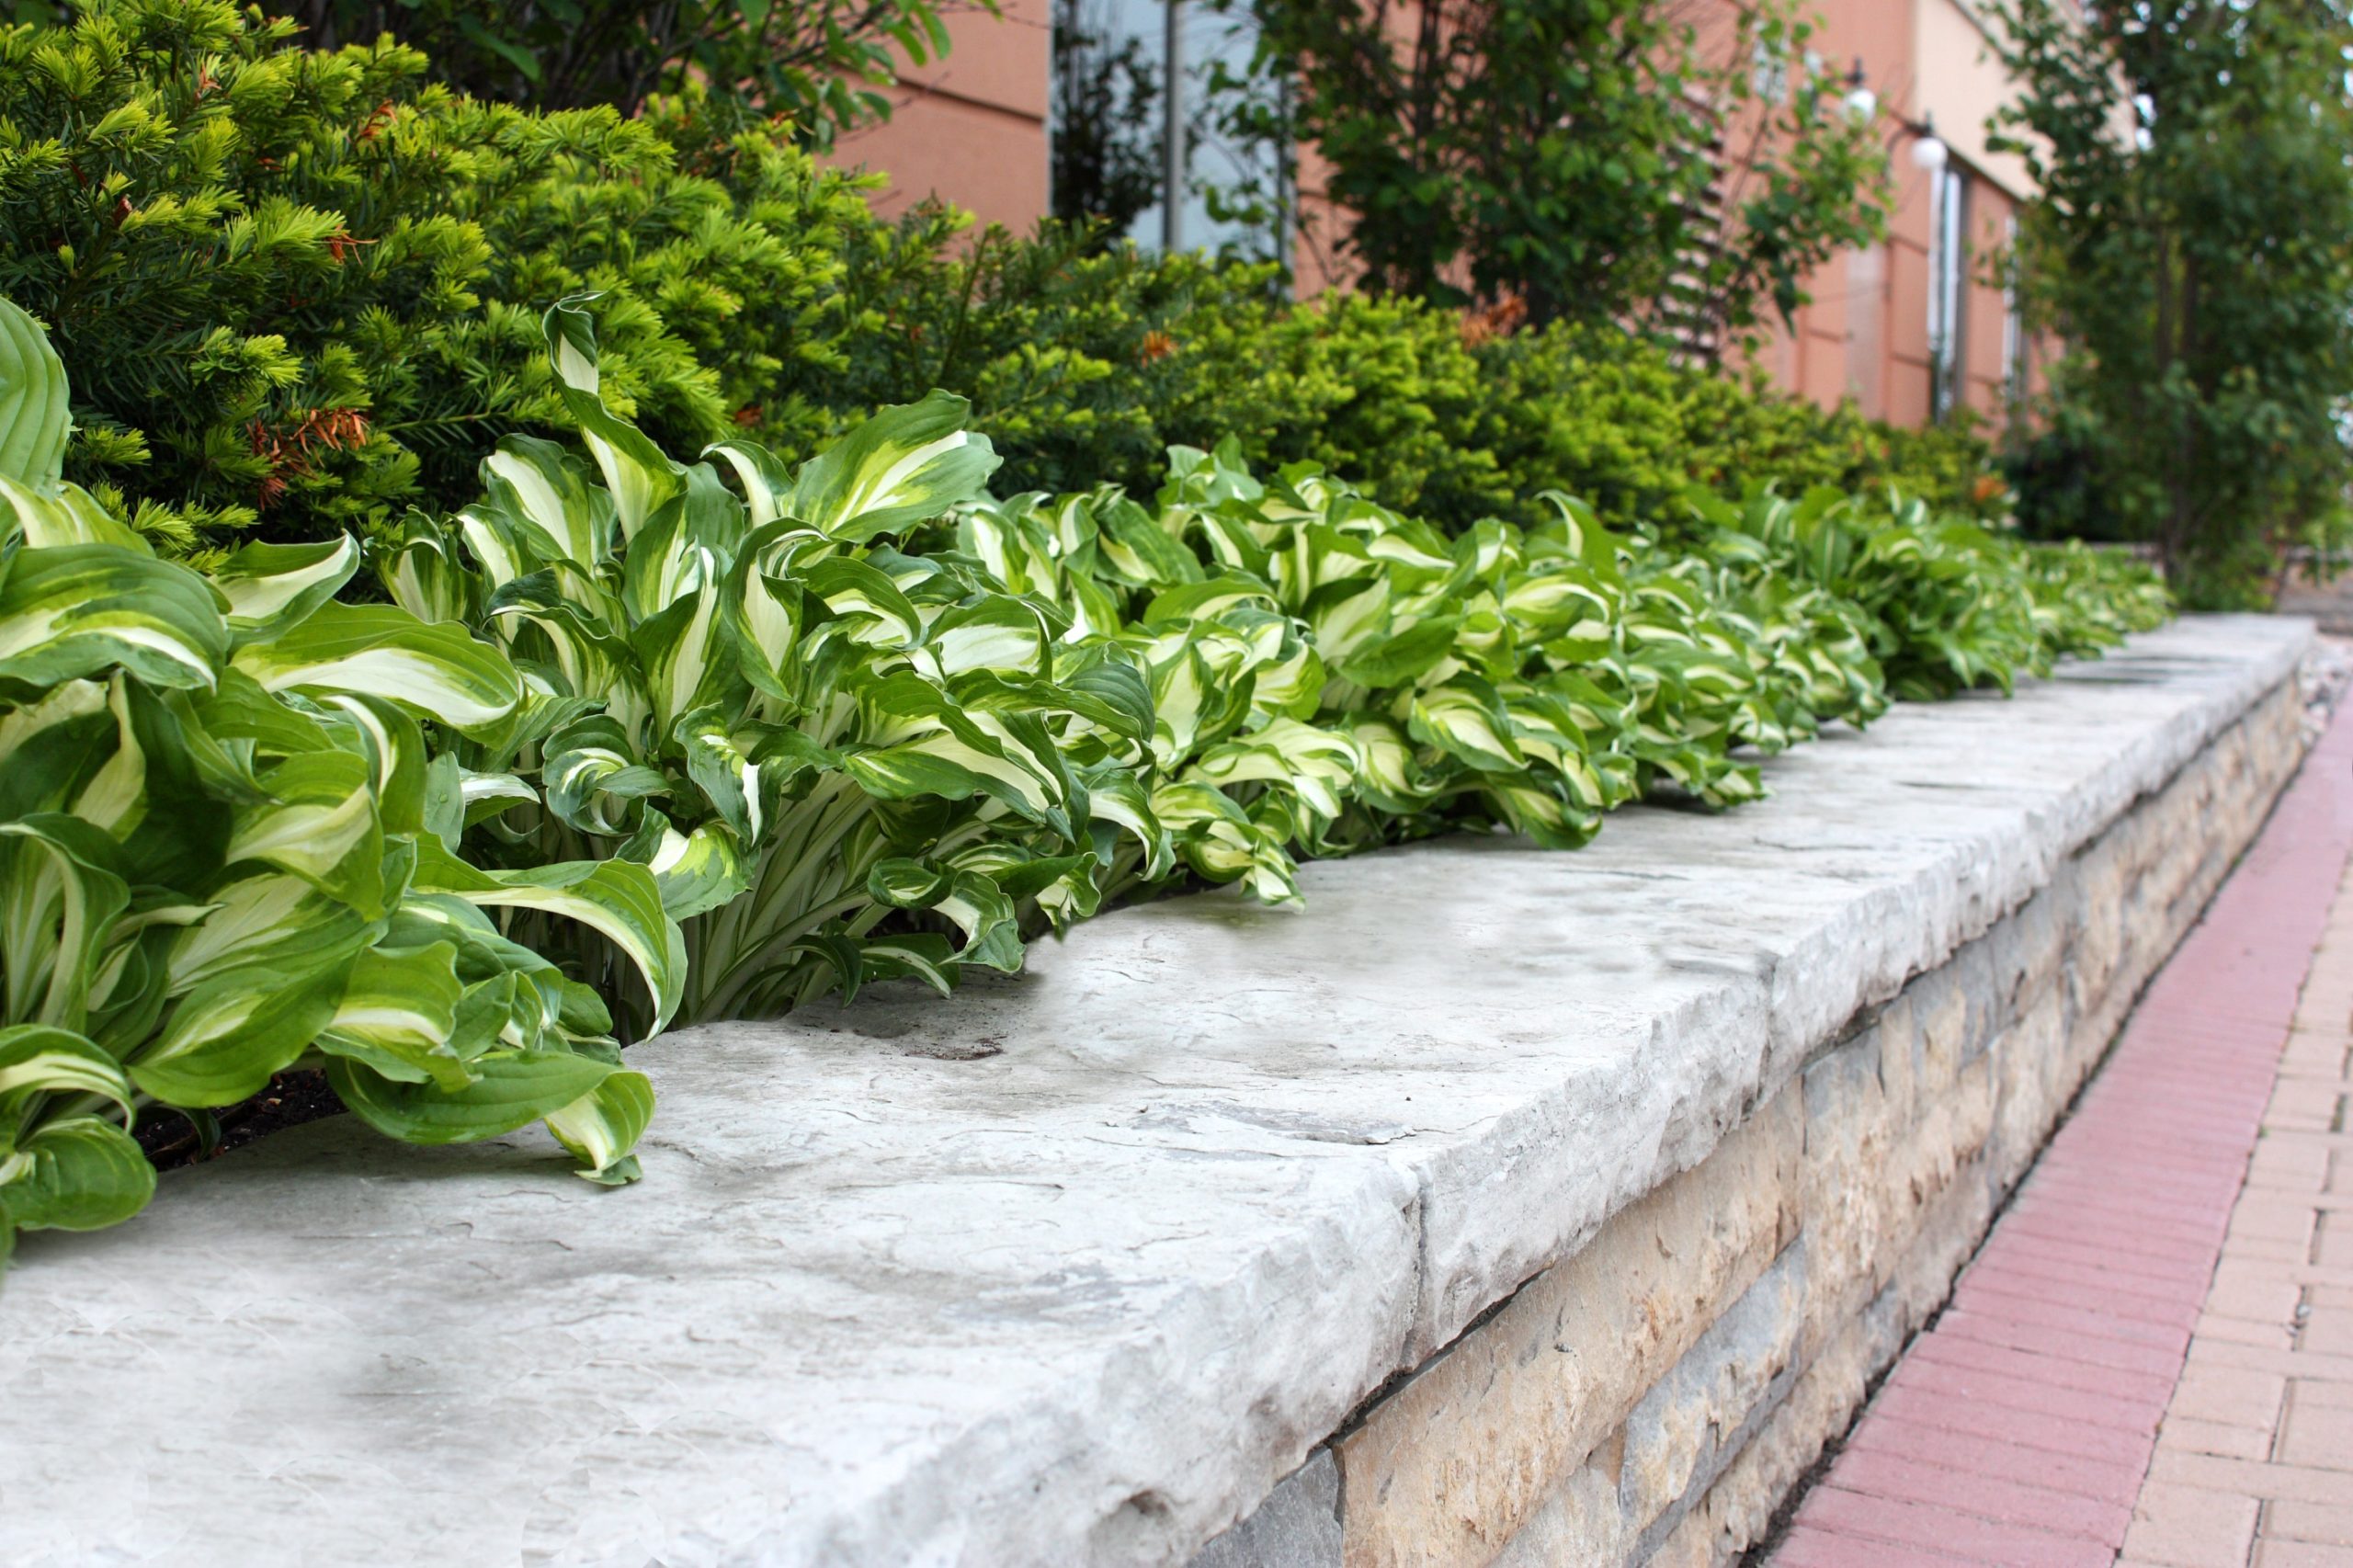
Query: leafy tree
[[1598, 160], [2194, 244], [1107, 141], [819, 62]]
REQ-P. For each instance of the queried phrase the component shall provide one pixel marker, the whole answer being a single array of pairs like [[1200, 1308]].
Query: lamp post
[[1171, 134]]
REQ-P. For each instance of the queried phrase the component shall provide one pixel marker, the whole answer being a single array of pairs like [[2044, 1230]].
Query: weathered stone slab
[[1087, 1300]]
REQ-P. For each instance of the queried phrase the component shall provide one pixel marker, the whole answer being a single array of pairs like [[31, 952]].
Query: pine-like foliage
[[306, 285]]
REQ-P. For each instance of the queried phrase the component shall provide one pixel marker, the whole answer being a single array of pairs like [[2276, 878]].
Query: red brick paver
[[2151, 1359]]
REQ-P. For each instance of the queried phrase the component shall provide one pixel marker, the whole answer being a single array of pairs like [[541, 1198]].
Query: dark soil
[[174, 1139]]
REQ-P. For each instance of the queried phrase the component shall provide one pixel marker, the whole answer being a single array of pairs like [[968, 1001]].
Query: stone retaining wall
[[1651, 1399], [1519, 1207]]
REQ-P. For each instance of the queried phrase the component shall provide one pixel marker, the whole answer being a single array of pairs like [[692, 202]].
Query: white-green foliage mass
[[676, 741]]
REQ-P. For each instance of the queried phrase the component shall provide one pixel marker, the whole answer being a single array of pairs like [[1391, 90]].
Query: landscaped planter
[[1517, 1205]]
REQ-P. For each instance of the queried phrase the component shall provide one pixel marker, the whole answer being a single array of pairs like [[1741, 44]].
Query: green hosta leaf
[[617, 899], [439, 671], [318, 822], [1403, 658], [226, 1037], [34, 421], [399, 1013], [38, 1059], [511, 1090], [906, 465], [78, 1174], [602, 1126], [269, 586], [82, 610]]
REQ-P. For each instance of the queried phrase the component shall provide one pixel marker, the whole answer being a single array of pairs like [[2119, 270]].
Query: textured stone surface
[[1297, 1527], [1085, 1300]]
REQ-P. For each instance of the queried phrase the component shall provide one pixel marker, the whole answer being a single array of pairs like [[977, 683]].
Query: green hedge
[[304, 286], [301, 288]]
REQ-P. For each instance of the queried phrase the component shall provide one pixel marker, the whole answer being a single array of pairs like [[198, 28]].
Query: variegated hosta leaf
[[320, 823], [616, 898], [83, 609], [903, 466], [421, 571], [511, 1090], [271, 587], [34, 418], [721, 766], [63, 887], [636, 474], [226, 1037], [697, 871], [398, 1014], [932, 748], [602, 1126], [439, 671], [593, 774], [547, 492], [1318, 765], [36, 1059]]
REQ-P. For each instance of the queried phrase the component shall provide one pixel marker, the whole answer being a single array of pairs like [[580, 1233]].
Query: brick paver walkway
[[2151, 1361]]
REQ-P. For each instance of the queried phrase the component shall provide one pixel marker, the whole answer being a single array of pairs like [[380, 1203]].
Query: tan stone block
[[2030, 1089], [1453, 1464], [1686, 1427]]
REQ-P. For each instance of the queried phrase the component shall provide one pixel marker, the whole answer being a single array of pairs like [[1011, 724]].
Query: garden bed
[[1078, 1266]]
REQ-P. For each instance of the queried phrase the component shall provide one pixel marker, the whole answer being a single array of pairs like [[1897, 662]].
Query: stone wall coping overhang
[[1071, 1268]]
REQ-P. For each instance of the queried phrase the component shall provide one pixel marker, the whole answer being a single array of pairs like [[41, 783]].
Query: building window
[[1948, 293]]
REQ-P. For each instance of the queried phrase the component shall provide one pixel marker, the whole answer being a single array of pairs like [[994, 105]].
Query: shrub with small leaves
[[304, 286]]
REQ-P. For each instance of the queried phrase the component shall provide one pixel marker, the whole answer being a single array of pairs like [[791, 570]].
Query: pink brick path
[[2152, 1360]]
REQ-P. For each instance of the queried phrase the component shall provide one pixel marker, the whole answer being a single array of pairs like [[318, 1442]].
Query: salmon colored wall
[[971, 127]]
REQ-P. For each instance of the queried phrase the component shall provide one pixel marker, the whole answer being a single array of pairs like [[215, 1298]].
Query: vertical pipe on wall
[[1172, 177]]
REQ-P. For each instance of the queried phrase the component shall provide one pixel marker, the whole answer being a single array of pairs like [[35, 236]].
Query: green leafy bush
[[226, 848], [303, 286]]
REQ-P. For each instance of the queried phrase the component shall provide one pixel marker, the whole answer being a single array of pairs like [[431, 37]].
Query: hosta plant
[[839, 761], [227, 848]]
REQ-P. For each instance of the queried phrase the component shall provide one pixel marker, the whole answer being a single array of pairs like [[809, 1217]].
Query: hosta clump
[[2087, 599], [1943, 602], [226, 850], [1532, 678], [1940, 603], [830, 753]]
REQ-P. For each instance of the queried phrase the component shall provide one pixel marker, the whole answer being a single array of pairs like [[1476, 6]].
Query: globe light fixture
[[1929, 151], [1861, 102]]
